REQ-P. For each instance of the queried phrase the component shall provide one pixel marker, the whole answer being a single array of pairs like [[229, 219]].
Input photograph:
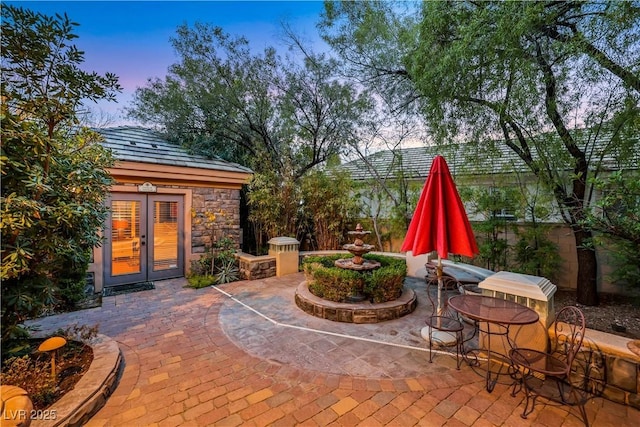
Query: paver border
[[91, 392], [364, 312]]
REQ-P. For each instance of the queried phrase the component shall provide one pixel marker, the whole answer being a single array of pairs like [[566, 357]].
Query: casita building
[[160, 208]]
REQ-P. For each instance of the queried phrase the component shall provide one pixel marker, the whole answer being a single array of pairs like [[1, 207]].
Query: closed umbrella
[[440, 222]]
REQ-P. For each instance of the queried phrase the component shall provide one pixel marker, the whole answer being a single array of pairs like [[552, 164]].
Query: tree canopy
[[557, 82], [281, 116], [259, 109]]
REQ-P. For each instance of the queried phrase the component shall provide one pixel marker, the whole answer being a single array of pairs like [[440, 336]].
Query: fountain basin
[[362, 312], [350, 264]]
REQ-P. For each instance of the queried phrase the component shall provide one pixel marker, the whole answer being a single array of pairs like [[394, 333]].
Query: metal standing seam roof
[[137, 144]]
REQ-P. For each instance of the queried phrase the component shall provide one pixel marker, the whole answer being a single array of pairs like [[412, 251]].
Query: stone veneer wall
[[256, 267], [606, 367], [227, 224]]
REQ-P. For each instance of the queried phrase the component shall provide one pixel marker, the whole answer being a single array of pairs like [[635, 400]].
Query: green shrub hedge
[[332, 283]]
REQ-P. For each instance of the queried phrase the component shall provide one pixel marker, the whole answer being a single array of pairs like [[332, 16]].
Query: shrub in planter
[[332, 283], [385, 283]]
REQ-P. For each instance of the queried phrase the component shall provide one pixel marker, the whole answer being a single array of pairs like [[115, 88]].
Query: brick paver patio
[[250, 357]]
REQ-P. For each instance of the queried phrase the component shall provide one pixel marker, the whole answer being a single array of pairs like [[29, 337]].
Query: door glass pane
[[125, 237], [165, 235]]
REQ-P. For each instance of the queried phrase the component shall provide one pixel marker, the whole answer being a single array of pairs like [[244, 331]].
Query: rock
[[16, 406]]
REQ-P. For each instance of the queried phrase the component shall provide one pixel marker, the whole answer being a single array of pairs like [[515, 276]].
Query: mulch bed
[[71, 365], [616, 314]]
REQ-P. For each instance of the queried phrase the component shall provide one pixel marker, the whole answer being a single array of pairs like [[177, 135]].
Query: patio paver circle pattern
[[188, 362], [363, 312]]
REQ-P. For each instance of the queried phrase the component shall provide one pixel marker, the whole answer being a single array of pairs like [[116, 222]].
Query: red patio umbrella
[[440, 222]]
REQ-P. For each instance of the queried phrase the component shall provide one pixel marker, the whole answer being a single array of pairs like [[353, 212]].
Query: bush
[[55, 176], [218, 265], [228, 271], [535, 254], [72, 285], [197, 281], [332, 283], [385, 284]]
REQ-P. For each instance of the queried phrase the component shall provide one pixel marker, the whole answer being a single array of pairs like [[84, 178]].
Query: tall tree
[[258, 109], [556, 81], [280, 116], [54, 177]]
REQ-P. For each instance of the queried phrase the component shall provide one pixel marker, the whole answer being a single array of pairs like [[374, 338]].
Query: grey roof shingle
[[415, 162], [465, 159], [137, 144]]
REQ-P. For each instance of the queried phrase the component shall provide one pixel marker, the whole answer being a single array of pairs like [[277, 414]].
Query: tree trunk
[[587, 285]]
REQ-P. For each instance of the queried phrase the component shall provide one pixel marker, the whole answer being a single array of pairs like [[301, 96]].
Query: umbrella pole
[[439, 272], [438, 336]]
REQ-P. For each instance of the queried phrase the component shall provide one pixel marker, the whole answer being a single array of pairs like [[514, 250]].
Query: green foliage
[[327, 207], [25, 367], [618, 210], [529, 73], [224, 250], [227, 272], [282, 117], [201, 266], [491, 203], [217, 265], [54, 177], [324, 260], [201, 281], [33, 376], [388, 201], [332, 283], [385, 283], [535, 254], [72, 284], [274, 202], [317, 207], [499, 205], [256, 108], [617, 215], [625, 258]]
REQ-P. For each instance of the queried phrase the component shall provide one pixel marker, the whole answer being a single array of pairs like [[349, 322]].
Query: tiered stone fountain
[[357, 309], [358, 248], [357, 263]]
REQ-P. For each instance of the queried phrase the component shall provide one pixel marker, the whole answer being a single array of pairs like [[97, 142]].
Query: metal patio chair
[[533, 368]]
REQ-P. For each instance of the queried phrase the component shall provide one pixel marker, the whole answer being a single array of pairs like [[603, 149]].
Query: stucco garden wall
[[562, 236]]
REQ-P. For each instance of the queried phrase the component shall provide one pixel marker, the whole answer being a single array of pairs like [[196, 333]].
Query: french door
[[144, 238]]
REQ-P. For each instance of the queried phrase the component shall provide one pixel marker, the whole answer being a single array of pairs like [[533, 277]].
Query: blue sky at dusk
[[131, 38]]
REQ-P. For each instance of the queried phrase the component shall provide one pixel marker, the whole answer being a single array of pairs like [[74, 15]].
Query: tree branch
[[627, 76]]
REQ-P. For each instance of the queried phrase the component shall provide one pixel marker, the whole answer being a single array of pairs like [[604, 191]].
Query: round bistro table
[[489, 310]]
